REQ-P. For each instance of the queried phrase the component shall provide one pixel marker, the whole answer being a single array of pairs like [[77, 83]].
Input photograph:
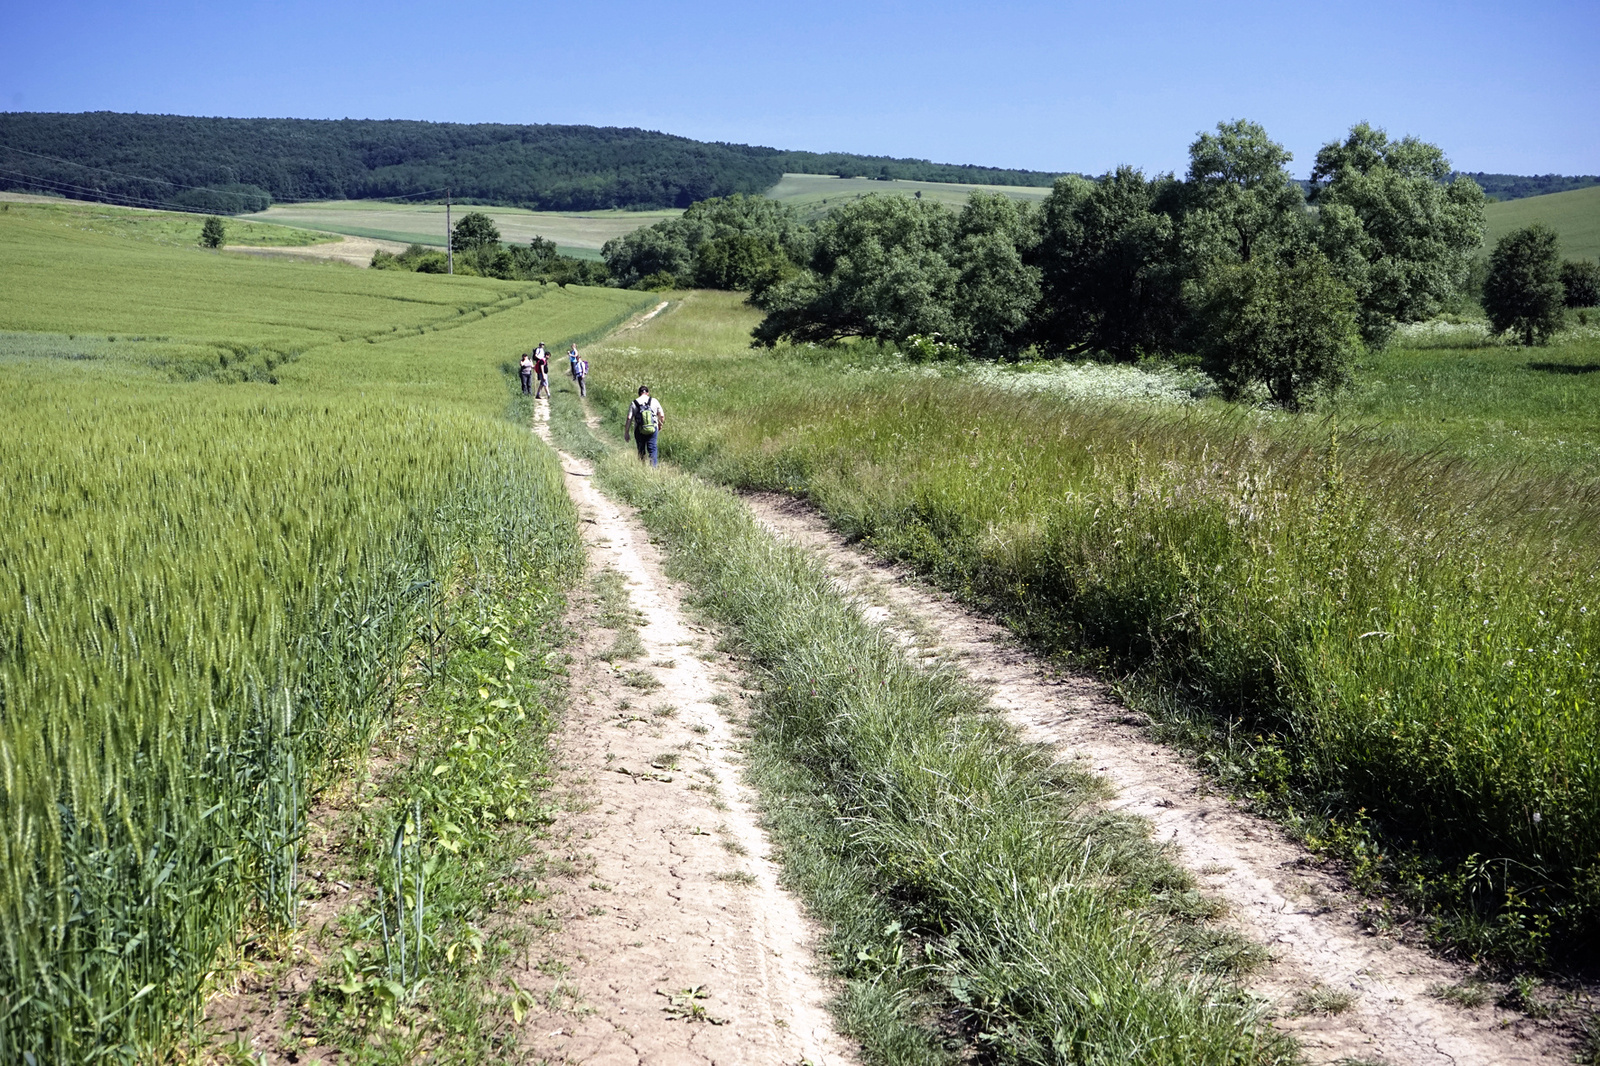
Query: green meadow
[[1379, 622], [1574, 215], [238, 493], [575, 233]]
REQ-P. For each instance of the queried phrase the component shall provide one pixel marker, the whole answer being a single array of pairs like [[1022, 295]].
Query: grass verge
[[978, 900]]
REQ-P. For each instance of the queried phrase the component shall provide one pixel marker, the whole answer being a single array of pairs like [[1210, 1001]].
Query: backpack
[[646, 419], [581, 368]]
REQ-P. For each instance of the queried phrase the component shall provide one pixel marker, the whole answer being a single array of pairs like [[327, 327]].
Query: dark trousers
[[583, 386], [527, 383], [647, 447]]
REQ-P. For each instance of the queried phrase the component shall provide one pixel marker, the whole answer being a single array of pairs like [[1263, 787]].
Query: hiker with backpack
[[541, 369], [645, 419], [525, 372], [580, 373]]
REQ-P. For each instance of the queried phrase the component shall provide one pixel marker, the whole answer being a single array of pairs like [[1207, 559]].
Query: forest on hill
[[233, 165]]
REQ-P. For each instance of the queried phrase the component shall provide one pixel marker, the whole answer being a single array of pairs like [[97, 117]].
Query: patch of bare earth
[[357, 251], [672, 940], [1344, 992]]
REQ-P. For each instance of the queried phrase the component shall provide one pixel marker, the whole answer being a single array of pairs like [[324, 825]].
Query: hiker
[[541, 369], [525, 371], [645, 419], [572, 361], [580, 372]]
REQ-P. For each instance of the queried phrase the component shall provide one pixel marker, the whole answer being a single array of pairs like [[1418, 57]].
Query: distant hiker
[[541, 370], [580, 372], [525, 370], [572, 361], [645, 419]]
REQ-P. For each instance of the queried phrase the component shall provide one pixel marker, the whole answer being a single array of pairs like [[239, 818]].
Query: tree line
[[227, 165], [1271, 283]]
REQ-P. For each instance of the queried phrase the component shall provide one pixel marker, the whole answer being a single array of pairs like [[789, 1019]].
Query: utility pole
[[449, 245]]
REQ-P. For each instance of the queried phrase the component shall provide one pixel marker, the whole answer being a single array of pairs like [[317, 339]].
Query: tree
[[995, 291], [1110, 270], [1580, 281], [880, 269], [1523, 291], [1240, 200], [474, 231], [1392, 228], [1290, 326], [213, 233]]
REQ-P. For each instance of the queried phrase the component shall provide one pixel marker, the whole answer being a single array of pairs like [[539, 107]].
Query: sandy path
[[662, 880], [357, 251], [1276, 895]]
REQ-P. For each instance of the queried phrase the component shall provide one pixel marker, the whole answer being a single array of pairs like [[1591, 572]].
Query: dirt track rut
[[1275, 894], [673, 942]]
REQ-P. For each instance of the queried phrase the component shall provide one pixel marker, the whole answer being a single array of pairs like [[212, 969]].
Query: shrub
[[1523, 290], [1580, 282]]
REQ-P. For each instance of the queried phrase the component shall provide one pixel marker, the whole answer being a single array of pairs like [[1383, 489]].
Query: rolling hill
[[231, 165], [1574, 215]]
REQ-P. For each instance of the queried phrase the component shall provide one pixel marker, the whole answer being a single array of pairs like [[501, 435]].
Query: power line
[[98, 195]]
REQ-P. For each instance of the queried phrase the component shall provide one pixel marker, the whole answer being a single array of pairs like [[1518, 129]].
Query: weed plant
[[960, 871], [1397, 649]]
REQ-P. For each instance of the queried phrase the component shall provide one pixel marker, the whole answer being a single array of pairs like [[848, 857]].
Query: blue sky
[[1500, 86]]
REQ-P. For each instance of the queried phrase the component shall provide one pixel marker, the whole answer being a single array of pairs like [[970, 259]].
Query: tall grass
[[207, 590], [958, 867], [1403, 644]]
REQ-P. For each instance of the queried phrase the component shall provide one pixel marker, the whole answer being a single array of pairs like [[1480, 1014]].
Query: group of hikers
[[536, 365], [644, 419]]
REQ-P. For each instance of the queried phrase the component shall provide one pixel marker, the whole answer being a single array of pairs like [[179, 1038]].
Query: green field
[[815, 193], [237, 494], [576, 234], [1574, 215], [158, 227], [1382, 626]]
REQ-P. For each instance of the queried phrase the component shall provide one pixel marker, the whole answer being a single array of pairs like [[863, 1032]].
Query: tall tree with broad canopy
[[1110, 270], [1523, 292], [1392, 228], [1240, 202], [880, 269], [995, 290]]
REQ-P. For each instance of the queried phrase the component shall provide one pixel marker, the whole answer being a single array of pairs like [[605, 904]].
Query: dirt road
[[1346, 994], [357, 251], [673, 941]]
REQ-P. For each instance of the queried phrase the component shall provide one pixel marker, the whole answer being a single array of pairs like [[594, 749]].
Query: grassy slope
[[163, 227], [1574, 215], [579, 234], [1408, 642], [814, 193], [401, 386]]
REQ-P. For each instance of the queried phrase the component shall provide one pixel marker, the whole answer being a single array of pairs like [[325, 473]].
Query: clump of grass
[[616, 612], [1467, 994], [957, 866], [1323, 1000], [736, 877]]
